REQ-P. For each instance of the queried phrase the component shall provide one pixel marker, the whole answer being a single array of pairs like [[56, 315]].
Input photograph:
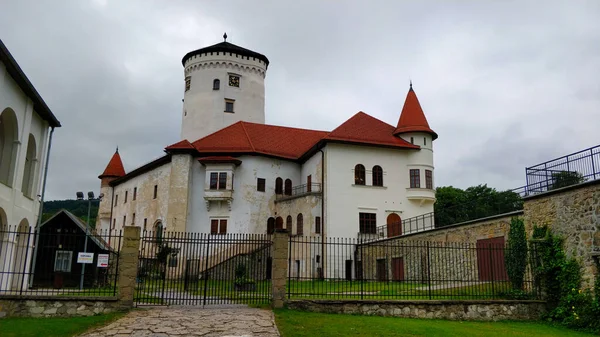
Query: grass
[[52, 327], [293, 323]]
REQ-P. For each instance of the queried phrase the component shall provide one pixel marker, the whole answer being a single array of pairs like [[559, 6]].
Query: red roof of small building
[[114, 168], [365, 129], [412, 118]]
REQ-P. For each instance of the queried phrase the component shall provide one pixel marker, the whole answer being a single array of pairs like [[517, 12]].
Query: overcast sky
[[505, 84]]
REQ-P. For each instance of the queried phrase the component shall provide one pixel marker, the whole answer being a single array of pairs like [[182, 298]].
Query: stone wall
[[453, 310], [573, 213], [53, 306]]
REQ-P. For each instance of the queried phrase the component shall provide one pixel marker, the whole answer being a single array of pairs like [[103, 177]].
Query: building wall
[[203, 108], [574, 214], [345, 200], [145, 206]]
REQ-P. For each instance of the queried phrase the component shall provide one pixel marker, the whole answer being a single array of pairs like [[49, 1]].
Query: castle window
[[145, 223], [229, 105], [377, 176], [124, 220], [116, 200], [158, 231], [424, 140], [367, 223], [133, 219], [218, 226], [260, 184], [234, 81], [415, 178], [218, 180], [125, 197], [412, 140], [278, 186], [134, 193], [288, 223], [155, 191], [300, 225], [429, 179], [288, 187], [279, 223], [271, 225], [359, 174], [188, 82], [318, 225], [216, 84]]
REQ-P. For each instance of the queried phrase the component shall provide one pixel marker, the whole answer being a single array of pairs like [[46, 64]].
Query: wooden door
[[381, 270], [394, 225], [490, 259], [398, 269]]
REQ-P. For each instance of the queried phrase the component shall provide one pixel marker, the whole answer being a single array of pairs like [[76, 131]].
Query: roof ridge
[[247, 136]]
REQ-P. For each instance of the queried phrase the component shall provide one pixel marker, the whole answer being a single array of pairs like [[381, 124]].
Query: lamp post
[[87, 226]]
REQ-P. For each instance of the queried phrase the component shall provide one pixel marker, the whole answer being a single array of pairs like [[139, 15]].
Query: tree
[[516, 253], [455, 205], [566, 178]]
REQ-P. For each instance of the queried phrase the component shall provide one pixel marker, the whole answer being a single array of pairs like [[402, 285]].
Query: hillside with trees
[[78, 207]]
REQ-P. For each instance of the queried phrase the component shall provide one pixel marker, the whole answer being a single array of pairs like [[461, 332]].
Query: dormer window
[[216, 84], [218, 180]]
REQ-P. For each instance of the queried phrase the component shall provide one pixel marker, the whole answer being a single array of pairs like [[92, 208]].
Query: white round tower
[[224, 84]]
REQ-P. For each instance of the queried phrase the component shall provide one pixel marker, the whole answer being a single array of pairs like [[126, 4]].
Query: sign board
[[85, 258], [102, 260]]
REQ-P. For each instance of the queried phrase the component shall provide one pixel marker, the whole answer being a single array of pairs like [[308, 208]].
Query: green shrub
[[516, 253]]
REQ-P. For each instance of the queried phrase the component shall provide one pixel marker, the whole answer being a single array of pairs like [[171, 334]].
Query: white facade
[[204, 106], [24, 137]]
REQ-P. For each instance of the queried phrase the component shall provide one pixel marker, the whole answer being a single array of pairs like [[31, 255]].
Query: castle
[[232, 173]]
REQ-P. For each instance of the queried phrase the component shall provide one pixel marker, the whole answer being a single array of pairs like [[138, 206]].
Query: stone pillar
[[279, 268], [179, 188], [128, 266]]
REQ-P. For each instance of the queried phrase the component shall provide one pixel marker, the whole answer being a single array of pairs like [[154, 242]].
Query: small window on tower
[[229, 105], [234, 81], [188, 82], [216, 84], [424, 140], [412, 140]]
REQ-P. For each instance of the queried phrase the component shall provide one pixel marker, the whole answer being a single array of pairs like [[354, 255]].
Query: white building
[[26, 125], [232, 173]]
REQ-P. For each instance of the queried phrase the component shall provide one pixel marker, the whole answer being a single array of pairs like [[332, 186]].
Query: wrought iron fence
[[407, 226], [58, 261], [300, 190], [564, 171], [343, 268], [180, 268]]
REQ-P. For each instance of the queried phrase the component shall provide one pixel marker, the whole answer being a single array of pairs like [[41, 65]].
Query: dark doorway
[[269, 267], [381, 270], [349, 270], [490, 259], [398, 269]]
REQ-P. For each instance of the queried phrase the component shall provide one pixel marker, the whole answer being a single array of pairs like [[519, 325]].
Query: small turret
[[412, 118], [113, 170]]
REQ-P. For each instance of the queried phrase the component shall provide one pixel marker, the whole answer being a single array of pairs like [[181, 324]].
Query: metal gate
[[179, 268]]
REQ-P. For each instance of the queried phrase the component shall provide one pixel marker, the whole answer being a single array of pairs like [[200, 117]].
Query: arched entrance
[[21, 255], [394, 225], [9, 136]]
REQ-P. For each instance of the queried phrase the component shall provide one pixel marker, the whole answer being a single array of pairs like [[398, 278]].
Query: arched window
[[359, 174], [9, 136], [288, 223], [216, 84], [158, 232], [30, 168], [278, 186], [288, 187], [300, 224], [377, 176], [279, 223], [271, 225]]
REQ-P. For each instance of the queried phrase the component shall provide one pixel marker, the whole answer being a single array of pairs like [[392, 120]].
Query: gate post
[[279, 267], [128, 266]]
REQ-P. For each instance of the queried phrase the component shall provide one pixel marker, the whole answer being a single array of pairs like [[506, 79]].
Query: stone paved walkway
[[191, 321]]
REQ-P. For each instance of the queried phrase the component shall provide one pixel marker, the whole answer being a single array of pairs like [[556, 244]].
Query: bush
[[516, 254]]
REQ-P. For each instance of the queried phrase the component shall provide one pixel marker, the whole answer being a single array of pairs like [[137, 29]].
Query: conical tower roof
[[114, 168], [412, 118]]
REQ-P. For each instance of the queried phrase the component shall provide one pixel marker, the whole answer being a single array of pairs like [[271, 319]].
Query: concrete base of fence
[[54, 306], [452, 310]]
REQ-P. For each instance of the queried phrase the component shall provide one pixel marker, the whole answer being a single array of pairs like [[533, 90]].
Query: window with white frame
[[218, 181], [62, 261]]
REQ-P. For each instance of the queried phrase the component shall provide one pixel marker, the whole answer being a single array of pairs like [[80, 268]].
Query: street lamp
[[87, 226]]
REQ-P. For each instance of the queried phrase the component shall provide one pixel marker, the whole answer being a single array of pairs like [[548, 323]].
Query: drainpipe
[[323, 211], [110, 220], [40, 210]]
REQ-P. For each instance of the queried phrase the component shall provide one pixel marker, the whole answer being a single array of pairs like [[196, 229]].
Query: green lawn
[[52, 327], [293, 323]]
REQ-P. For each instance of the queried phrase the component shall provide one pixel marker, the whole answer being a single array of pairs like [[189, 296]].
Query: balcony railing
[[300, 190], [415, 224], [561, 172]]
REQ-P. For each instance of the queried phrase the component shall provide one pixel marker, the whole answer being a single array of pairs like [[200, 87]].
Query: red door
[[490, 259], [398, 269], [394, 225]]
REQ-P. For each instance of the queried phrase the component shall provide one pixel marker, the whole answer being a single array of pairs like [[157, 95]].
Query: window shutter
[[214, 226], [223, 226]]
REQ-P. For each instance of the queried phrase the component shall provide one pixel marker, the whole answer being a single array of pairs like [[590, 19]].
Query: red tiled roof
[[181, 145], [412, 118], [220, 159], [245, 137], [114, 168], [364, 129]]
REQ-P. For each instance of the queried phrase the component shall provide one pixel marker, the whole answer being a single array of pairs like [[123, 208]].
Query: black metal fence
[[568, 170], [407, 226], [179, 268], [341, 268], [61, 262]]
